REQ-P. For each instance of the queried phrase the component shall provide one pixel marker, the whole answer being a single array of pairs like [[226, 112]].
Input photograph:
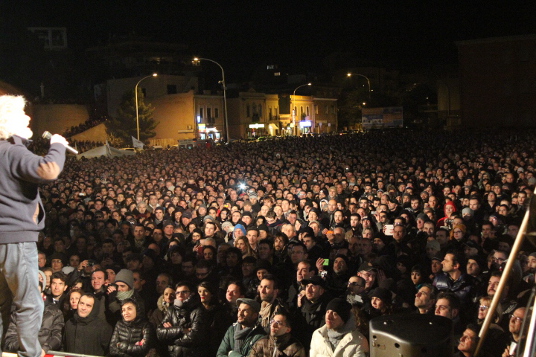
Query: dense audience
[[290, 245], [88, 124]]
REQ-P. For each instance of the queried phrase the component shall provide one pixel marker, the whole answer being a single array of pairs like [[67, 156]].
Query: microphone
[[47, 135]]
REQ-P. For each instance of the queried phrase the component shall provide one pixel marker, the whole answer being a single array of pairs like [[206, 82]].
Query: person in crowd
[[70, 303], [86, 333], [304, 271], [312, 303], [516, 341], [280, 341], [123, 289], [381, 302], [218, 317], [448, 305], [268, 294], [58, 286], [50, 333], [244, 333], [133, 334], [185, 325], [468, 342], [425, 299], [164, 302], [339, 336]]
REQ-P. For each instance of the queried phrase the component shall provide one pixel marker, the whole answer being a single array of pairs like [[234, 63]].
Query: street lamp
[[349, 74], [197, 59], [293, 109], [136, 96]]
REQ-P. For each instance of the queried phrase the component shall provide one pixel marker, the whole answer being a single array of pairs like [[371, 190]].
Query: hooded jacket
[[127, 335], [88, 335]]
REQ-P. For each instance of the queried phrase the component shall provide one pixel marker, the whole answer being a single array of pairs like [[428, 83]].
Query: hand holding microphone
[[56, 138]]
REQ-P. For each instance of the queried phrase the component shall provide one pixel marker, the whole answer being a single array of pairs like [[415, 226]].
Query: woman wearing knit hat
[[380, 302]]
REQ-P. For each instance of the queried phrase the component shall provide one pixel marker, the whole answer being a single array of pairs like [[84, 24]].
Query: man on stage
[[22, 217]]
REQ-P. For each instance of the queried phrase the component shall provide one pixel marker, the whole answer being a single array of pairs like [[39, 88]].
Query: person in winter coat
[[86, 333], [163, 304], [219, 318], [186, 325], [50, 333], [280, 342], [339, 337], [133, 335], [244, 333]]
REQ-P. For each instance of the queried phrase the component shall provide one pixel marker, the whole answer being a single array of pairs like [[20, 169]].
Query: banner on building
[[384, 117]]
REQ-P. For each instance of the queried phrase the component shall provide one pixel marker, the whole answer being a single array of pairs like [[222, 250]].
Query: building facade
[[498, 81]]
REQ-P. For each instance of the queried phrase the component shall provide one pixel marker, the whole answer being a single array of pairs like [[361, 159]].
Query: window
[[171, 89], [270, 113], [216, 112], [307, 110], [209, 112], [201, 113]]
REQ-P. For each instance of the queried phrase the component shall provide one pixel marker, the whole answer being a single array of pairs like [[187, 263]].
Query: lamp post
[[292, 106], [136, 98], [349, 74], [197, 59]]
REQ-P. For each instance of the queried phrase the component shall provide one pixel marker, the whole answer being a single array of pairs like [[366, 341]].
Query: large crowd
[[288, 247]]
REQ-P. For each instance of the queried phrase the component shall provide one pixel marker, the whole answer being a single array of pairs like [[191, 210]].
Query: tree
[[123, 126]]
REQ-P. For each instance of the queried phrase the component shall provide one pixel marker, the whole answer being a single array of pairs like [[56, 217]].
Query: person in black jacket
[[186, 325], [133, 335], [86, 333], [49, 335]]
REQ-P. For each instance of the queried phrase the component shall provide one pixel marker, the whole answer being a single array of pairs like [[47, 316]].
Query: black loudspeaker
[[411, 335]]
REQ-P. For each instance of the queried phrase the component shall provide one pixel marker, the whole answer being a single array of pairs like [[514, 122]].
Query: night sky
[[298, 35]]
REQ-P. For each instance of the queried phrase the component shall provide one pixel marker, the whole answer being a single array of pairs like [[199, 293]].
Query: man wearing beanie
[[339, 337], [121, 290]]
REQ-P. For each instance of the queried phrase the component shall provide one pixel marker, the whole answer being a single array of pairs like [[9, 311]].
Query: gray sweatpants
[[19, 280]]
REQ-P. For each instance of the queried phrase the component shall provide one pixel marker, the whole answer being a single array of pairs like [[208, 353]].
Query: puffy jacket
[[352, 344], [228, 342], [50, 333], [127, 334], [282, 346], [190, 327], [461, 287]]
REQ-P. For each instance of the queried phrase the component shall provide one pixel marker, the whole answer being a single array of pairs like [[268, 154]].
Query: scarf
[[240, 337], [122, 295], [265, 314], [335, 336]]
